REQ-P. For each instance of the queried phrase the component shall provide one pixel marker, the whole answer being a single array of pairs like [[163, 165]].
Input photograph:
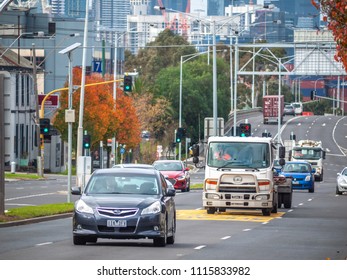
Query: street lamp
[[214, 53], [70, 114], [189, 57]]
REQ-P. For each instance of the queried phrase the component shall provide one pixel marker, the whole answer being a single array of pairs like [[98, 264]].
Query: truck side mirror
[[324, 154], [281, 152], [281, 161]]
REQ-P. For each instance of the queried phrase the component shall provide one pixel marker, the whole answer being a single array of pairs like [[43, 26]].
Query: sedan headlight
[[82, 207], [154, 208], [181, 177]]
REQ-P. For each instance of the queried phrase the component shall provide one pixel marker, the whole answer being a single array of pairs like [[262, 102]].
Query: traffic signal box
[[45, 126], [86, 141], [181, 132], [127, 83], [245, 129]]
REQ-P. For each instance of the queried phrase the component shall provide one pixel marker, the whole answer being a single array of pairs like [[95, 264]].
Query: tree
[[101, 118], [336, 17]]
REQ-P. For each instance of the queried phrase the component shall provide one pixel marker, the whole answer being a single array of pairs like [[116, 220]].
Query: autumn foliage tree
[[102, 117], [335, 14]]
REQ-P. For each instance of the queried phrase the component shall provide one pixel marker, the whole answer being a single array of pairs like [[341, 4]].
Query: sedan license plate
[[116, 223]]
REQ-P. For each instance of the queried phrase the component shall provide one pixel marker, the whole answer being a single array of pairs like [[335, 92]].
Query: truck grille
[[238, 183]]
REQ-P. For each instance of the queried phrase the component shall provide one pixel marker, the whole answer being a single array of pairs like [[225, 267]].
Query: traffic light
[[86, 141], [181, 132], [313, 94], [45, 126], [127, 83], [245, 129]]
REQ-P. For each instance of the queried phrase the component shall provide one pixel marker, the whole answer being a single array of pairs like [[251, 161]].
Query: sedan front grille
[[117, 212]]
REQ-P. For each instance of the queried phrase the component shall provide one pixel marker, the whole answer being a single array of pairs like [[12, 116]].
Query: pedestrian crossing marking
[[230, 215]]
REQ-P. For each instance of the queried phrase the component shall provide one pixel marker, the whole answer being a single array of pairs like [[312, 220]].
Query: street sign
[[122, 150], [97, 66]]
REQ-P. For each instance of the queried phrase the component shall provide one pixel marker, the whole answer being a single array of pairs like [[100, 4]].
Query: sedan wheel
[[337, 190], [161, 241], [171, 239]]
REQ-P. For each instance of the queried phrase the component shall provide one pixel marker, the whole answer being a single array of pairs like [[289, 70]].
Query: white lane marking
[[265, 223], [20, 204], [200, 247], [291, 210], [44, 243], [247, 229], [323, 124], [310, 199], [28, 196], [301, 204], [226, 237]]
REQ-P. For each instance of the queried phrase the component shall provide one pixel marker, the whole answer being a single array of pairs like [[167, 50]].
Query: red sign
[[50, 102]]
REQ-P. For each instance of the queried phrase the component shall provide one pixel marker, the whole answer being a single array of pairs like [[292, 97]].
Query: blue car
[[302, 175]]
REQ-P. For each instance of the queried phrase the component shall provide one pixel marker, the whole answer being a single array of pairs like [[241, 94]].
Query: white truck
[[244, 179], [308, 150]]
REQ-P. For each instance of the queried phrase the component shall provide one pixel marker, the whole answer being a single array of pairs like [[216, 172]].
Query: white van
[[298, 108]]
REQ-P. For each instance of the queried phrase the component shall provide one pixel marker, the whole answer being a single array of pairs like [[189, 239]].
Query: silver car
[[341, 181]]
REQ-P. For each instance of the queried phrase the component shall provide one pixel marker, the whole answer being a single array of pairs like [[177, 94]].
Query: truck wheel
[[266, 211], [280, 200], [287, 200], [274, 209], [211, 210]]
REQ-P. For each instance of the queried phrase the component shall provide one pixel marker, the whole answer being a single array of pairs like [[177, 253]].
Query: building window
[[16, 142], [17, 89], [28, 90], [22, 91]]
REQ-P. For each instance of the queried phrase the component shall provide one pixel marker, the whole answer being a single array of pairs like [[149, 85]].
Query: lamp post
[[189, 57], [68, 51], [83, 82], [214, 66]]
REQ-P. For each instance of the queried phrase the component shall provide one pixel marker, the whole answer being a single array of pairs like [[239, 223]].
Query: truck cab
[[239, 174]]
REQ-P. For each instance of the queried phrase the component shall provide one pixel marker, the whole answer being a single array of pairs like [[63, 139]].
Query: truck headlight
[[212, 196]]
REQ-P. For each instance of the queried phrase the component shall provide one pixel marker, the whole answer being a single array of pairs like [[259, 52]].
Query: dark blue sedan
[[125, 203]]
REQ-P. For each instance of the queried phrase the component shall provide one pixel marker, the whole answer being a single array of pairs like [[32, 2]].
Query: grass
[[27, 212], [23, 176]]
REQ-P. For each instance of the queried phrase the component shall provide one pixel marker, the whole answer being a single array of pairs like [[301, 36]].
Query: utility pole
[[39, 165]]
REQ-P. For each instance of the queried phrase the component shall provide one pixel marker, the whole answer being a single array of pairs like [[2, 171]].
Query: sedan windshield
[[122, 184]]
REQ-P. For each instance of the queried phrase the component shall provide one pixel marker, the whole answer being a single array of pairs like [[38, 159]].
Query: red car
[[176, 172]]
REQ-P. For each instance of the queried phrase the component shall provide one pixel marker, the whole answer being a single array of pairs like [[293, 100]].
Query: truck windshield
[[238, 155], [305, 153]]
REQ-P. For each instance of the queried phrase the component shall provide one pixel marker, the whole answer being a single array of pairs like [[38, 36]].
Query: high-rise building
[[112, 14], [75, 8]]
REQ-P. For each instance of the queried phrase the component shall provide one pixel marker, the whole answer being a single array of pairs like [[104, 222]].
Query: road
[[315, 228]]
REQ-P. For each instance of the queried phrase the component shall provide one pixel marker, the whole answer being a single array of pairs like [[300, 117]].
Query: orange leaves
[[102, 116], [336, 17]]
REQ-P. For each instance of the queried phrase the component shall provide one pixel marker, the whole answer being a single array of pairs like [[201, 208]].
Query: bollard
[[13, 167]]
